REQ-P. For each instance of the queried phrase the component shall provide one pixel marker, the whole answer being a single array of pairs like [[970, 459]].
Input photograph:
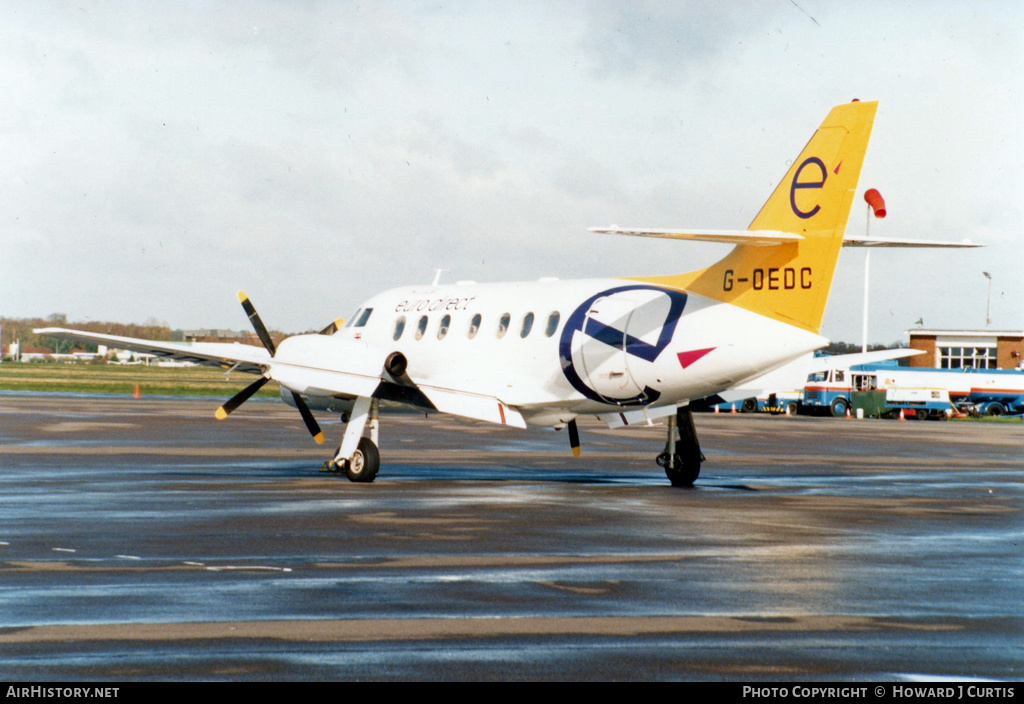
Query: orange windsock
[[875, 200]]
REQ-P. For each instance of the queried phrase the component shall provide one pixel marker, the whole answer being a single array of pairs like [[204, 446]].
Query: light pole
[[988, 303]]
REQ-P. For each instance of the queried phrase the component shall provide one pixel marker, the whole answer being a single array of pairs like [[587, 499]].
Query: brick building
[[979, 349]]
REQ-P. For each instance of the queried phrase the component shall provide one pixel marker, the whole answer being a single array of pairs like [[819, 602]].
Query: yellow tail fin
[[790, 282]]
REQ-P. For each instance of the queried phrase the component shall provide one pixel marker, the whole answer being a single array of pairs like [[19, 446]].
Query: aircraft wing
[[793, 376], [246, 358], [313, 365], [471, 405]]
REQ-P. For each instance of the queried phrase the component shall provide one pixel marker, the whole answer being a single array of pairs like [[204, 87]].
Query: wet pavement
[[141, 539]]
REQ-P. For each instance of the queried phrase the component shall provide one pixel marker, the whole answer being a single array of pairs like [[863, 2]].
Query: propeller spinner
[[244, 395]]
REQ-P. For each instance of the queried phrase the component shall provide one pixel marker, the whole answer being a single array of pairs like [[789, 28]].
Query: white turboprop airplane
[[543, 353]]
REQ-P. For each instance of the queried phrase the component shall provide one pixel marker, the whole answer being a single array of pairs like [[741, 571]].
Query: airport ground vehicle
[[885, 388]]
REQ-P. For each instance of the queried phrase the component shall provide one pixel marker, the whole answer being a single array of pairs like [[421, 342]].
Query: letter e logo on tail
[[797, 183]]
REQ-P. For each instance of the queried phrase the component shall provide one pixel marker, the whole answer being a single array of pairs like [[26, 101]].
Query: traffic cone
[[901, 415], [848, 412], [733, 411], [716, 409], [787, 409], [136, 394]]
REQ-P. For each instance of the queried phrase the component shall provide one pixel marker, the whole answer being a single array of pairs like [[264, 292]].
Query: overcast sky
[[157, 157]]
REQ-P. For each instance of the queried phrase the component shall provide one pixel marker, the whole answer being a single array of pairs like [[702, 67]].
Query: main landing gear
[[682, 456], [357, 456]]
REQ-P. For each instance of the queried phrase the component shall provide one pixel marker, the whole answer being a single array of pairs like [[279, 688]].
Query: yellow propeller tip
[[242, 297], [319, 437], [575, 452], [221, 414]]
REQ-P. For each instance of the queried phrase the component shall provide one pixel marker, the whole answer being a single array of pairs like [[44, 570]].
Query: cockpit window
[[364, 317], [352, 320]]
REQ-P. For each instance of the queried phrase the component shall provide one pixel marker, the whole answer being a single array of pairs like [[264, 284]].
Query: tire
[[749, 405], [680, 473], [793, 407], [365, 463], [921, 414], [994, 409], [839, 407]]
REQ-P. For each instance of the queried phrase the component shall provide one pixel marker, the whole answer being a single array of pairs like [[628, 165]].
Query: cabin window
[[399, 327], [474, 326], [552, 324], [442, 329], [421, 327], [364, 317], [527, 325], [503, 324]]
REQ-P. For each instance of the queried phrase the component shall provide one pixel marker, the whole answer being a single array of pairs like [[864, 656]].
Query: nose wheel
[[362, 466], [358, 456]]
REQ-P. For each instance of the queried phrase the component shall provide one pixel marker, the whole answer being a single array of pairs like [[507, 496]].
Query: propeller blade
[[574, 438], [257, 323], [308, 419], [240, 398], [333, 327]]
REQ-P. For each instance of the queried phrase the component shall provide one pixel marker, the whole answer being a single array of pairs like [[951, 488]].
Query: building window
[[967, 357]]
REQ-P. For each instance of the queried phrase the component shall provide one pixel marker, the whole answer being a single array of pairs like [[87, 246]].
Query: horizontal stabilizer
[[886, 242], [757, 238]]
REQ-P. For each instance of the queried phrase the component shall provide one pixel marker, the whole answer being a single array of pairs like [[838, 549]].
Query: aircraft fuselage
[[556, 349]]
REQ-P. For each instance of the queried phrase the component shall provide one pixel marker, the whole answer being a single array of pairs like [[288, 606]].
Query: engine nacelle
[[320, 403]]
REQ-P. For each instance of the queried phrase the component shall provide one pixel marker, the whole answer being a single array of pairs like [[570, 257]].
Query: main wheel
[[994, 409], [839, 407], [363, 465], [678, 471]]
